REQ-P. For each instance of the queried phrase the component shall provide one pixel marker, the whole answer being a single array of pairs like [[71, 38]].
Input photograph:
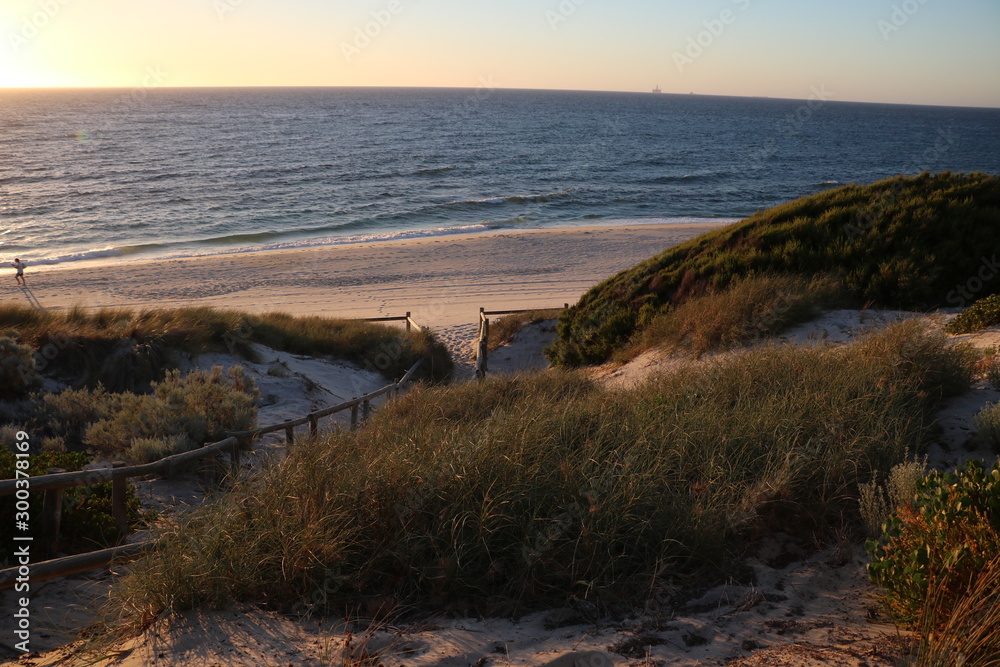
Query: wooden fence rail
[[54, 483], [483, 337]]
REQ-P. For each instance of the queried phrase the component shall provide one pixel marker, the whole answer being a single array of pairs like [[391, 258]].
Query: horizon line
[[554, 90]]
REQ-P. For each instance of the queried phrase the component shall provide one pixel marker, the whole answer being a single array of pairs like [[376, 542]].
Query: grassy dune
[[124, 349], [518, 492], [911, 242]]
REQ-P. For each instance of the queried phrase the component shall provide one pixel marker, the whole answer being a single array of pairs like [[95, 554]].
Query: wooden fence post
[[52, 515], [366, 410], [313, 425], [407, 320], [234, 456], [289, 433], [118, 509], [354, 417]]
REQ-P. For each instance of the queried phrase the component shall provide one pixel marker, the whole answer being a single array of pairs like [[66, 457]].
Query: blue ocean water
[[119, 174]]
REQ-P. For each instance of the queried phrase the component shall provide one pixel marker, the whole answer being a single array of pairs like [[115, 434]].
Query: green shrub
[[181, 413], [983, 313], [991, 370], [17, 370], [185, 412], [68, 414], [87, 521], [940, 543]]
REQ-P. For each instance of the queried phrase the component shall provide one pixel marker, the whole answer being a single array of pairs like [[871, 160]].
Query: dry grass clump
[[970, 633], [517, 492], [987, 423], [748, 309], [878, 502]]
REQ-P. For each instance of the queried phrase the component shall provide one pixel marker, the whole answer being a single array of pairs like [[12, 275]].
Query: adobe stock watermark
[[484, 91], [966, 293], [32, 25], [714, 29], [900, 16], [944, 140], [21, 535], [365, 34], [137, 97], [224, 7], [562, 13], [790, 124]]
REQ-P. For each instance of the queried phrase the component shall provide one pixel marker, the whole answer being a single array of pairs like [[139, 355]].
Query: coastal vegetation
[[937, 560], [103, 384], [125, 349], [917, 242], [983, 313], [524, 491]]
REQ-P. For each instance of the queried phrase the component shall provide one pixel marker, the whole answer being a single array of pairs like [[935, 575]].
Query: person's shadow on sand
[[30, 296]]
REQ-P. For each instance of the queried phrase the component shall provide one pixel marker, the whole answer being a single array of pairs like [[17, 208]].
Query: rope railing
[[54, 483]]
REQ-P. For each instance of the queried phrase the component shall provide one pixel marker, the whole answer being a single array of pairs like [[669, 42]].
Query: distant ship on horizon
[[657, 89]]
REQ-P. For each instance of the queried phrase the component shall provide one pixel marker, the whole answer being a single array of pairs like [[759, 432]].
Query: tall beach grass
[[124, 349], [517, 492]]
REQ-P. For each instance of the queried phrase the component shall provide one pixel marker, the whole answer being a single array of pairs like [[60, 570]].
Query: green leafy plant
[[981, 314], [945, 538]]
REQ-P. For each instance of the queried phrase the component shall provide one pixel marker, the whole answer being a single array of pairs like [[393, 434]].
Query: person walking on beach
[[19, 276]]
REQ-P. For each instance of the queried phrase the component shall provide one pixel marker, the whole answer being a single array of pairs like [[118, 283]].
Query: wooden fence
[[483, 337], [54, 483]]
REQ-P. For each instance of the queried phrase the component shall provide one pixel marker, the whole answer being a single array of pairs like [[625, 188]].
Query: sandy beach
[[442, 281]]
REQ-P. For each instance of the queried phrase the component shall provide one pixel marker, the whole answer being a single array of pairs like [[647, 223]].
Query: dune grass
[[906, 242], [748, 309], [126, 349], [504, 495]]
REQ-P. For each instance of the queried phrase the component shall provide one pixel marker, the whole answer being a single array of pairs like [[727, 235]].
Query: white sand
[[442, 281]]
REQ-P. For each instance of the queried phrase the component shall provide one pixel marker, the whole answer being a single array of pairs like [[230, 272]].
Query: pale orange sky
[[910, 51]]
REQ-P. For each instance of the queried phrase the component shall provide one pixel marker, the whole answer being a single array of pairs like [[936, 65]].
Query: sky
[[944, 52]]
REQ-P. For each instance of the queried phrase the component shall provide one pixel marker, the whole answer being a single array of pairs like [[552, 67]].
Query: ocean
[[114, 175]]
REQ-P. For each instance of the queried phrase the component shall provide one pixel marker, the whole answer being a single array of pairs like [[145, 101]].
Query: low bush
[[981, 314], [519, 492], [969, 635], [179, 414], [938, 544]]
